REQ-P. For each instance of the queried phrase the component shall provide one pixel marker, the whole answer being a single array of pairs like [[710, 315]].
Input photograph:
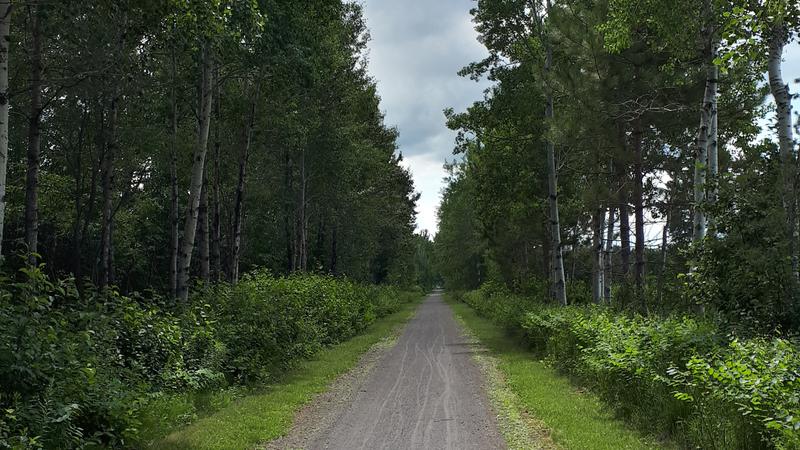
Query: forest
[[193, 196], [624, 200], [206, 220]]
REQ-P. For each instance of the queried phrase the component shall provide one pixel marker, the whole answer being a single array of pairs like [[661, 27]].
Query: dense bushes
[[679, 375], [77, 370]]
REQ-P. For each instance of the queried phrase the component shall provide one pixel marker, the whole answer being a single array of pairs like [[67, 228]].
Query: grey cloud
[[417, 48]]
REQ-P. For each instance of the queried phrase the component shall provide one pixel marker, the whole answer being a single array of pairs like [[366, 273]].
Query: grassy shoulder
[[575, 419], [267, 413]]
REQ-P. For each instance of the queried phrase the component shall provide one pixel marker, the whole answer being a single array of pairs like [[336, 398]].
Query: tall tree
[[238, 212], [198, 169], [34, 133], [778, 35], [5, 40], [174, 209]]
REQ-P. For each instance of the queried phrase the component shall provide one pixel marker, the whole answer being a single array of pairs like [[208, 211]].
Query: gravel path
[[426, 392]]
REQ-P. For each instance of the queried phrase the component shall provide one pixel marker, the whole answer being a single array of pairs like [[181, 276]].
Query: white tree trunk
[[712, 76], [783, 101], [559, 282], [198, 166], [597, 260], [607, 263], [5, 31], [713, 141], [706, 160], [701, 164]]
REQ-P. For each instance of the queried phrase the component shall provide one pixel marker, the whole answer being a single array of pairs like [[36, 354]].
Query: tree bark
[[559, 283], [198, 167], [713, 141], [108, 199], [34, 138], [638, 198], [238, 215], [663, 271], [203, 233], [302, 219], [77, 234], [608, 275], [5, 39], [216, 231], [703, 150], [174, 210], [547, 257], [598, 223], [334, 256], [783, 101], [97, 172], [288, 211]]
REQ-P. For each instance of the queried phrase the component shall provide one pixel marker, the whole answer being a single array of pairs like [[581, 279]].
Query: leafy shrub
[[82, 370], [759, 378], [678, 374]]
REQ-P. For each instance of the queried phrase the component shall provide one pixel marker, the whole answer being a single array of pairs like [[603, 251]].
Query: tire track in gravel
[[426, 392]]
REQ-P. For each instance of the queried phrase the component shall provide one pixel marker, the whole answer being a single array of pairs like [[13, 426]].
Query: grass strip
[[267, 414], [576, 419]]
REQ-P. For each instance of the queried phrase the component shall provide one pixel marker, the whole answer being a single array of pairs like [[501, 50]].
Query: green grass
[[267, 414], [576, 419]]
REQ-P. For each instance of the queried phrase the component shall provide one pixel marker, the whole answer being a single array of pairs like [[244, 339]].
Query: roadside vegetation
[[266, 412], [674, 376], [553, 411], [110, 370]]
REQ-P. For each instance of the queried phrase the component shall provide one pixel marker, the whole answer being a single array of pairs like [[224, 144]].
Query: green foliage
[[677, 374], [758, 379], [458, 247], [745, 274], [574, 418], [319, 147], [78, 370], [267, 412]]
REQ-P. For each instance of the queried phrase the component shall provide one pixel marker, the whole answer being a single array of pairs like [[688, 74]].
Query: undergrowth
[[90, 369], [678, 375]]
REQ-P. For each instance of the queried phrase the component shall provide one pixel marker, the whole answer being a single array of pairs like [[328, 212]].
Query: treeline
[[151, 143], [619, 156], [227, 154], [620, 209]]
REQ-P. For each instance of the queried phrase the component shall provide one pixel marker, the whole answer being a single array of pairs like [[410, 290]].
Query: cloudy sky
[[417, 48]]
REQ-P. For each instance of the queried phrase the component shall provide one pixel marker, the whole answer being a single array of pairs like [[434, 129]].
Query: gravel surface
[[426, 392]]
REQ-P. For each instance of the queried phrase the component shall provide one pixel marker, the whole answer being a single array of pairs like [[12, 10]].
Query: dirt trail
[[426, 392]]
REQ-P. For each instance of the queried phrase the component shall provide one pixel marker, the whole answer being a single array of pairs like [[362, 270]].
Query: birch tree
[[706, 158], [198, 169], [559, 281], [778, 36], [752, 30]]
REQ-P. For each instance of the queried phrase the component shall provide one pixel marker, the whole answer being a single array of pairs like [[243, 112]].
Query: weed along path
[[424, 393]]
